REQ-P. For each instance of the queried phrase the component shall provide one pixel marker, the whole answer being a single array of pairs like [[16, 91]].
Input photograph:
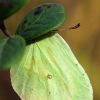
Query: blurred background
[[84, 41]]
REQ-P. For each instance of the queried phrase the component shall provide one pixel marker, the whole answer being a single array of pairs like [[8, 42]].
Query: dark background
[[84, 41]]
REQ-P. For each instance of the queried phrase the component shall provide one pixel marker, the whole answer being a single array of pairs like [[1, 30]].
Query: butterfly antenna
[[74, 27]]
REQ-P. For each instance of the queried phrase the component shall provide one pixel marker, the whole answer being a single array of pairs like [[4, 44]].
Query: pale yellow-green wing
[[50, 71]]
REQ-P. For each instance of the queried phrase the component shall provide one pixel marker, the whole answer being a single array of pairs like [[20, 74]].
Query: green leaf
[[11, 50], [50, 71], [41, 20], [9, 7]]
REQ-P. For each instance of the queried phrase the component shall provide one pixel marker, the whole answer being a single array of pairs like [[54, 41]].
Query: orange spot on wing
[[49, 76]]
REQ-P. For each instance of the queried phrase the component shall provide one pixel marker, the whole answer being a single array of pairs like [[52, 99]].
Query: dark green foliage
[[37, 22], [41, 20], [11, 50], [9, 7]]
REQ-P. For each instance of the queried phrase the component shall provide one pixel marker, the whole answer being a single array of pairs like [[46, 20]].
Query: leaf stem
[[4, 30]]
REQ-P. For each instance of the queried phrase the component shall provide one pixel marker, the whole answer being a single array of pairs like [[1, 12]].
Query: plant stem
[[4, 30]]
